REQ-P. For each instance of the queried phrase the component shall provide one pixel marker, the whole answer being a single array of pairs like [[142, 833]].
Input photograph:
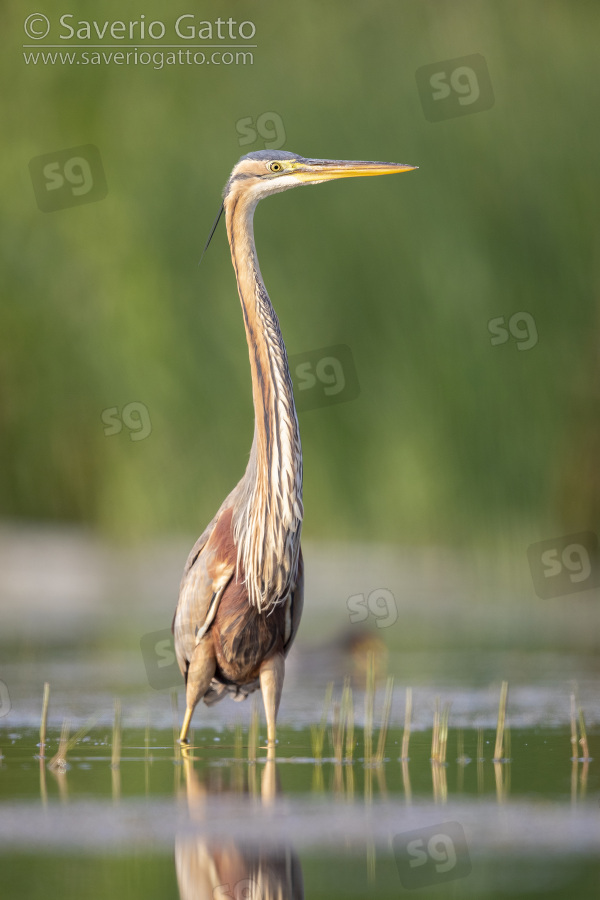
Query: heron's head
[[266, 172]]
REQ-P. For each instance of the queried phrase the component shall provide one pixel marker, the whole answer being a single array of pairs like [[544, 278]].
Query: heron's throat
[[267, 517]]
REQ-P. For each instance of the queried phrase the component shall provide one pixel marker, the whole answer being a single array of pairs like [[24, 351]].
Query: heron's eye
[[275, 167]]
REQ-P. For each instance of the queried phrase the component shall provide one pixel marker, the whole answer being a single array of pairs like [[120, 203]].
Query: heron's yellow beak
[[328, 169]]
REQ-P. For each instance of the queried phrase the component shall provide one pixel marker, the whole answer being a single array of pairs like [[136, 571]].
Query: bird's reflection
[[233, 868]]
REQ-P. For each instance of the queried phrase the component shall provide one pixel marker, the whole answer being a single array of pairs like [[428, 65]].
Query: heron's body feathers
[[214, 611]]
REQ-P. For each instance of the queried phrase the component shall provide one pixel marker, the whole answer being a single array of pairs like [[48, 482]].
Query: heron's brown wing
[[294, 607], [207, 574], [228, 503]]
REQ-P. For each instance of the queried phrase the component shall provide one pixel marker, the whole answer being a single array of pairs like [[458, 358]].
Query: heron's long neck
[[267, 517]]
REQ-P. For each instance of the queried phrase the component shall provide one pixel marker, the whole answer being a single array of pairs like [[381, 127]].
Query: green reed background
[[451, 439]]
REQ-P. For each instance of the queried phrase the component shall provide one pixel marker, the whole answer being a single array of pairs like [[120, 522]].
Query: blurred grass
[[451, 440]]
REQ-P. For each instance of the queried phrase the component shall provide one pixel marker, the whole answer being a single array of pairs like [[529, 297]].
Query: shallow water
[[212, 824], [163, 824]]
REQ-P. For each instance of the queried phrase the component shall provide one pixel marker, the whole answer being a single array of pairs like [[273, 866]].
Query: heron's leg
[[272, 672], [200, 674]]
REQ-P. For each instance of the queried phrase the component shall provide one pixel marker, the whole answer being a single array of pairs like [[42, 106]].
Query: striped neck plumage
[[267, 517]]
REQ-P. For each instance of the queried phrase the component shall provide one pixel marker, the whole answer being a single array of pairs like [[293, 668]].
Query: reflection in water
[[439, 781], [236, 852], [43, 788], [232, 868], [502, 785], [480, 760], [406, 781], [583, 778], [60, 777]]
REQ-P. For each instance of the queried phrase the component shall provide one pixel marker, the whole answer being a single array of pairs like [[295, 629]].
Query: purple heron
[[241, 594]]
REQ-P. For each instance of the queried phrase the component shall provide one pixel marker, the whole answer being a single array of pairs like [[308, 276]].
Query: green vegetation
[[451, 439]]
